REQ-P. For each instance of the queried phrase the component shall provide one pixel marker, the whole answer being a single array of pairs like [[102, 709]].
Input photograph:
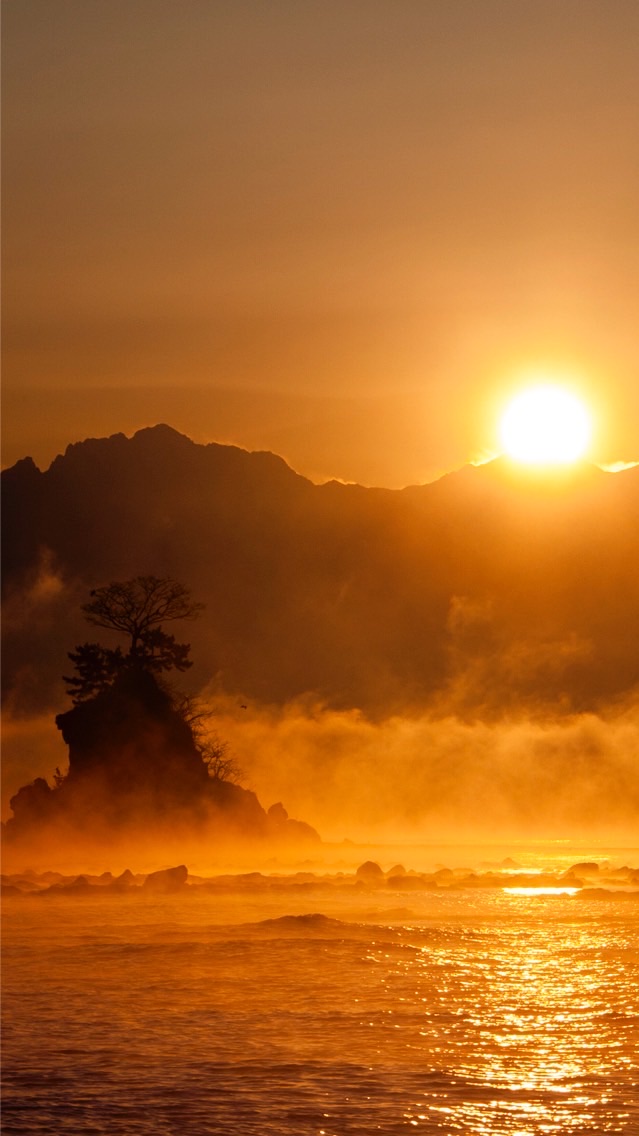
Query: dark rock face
[[131, 742], [31, 802]]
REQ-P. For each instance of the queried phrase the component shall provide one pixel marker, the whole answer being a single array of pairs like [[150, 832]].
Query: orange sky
[[337, 230]]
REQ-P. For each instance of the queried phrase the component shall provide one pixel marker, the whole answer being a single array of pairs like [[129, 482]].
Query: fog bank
[[426, 777]]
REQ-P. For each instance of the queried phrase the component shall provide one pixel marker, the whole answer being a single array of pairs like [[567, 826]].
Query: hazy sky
[[338, 229]]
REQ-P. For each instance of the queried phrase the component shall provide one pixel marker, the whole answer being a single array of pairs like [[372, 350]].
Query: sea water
[[321, 1010]]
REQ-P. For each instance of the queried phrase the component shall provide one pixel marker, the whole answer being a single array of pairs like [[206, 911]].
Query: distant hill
[[482, 592]]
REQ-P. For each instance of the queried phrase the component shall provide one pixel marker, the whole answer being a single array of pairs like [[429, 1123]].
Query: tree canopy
[[136, 608]]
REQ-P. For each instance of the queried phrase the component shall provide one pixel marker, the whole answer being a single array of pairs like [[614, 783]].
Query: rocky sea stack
[[134, 763], [142, 761]]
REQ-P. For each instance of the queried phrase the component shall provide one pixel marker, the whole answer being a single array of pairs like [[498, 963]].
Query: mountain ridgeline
[[488, 591]]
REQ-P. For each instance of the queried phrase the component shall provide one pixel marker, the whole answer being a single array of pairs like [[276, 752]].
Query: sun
[[545, 425]]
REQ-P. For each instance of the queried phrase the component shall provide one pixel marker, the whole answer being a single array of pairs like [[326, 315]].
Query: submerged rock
[[166, 881], [370, 872]]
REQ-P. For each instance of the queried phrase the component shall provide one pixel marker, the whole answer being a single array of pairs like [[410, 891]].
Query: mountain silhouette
[[490, 589]]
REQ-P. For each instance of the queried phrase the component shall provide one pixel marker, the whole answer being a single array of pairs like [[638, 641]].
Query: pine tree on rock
[[136, 608]]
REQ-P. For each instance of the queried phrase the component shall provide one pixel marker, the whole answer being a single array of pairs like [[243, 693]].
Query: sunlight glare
[[545, 425], [540, 890]]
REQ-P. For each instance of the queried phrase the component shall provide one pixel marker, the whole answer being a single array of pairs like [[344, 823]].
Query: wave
[[312, 923]]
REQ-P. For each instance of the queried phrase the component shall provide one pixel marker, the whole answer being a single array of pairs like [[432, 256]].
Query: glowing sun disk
[[545, 425]]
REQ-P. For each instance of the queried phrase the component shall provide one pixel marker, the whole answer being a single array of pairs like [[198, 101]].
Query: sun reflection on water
[[540, 890], [495, 1015], [531, 1027]]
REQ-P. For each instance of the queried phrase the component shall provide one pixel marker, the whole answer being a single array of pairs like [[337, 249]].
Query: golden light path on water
[[541, 890], [537, 1039], [489, 1012]]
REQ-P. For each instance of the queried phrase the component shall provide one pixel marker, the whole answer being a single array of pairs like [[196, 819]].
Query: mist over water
[[421, 776], [415, 777]]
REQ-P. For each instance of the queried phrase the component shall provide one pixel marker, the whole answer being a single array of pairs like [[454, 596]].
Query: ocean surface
[[313, 1008]]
